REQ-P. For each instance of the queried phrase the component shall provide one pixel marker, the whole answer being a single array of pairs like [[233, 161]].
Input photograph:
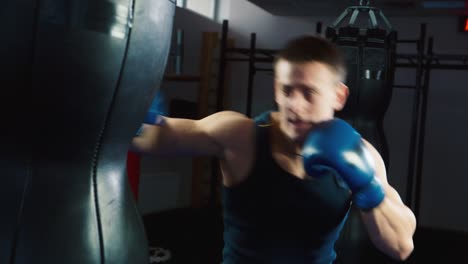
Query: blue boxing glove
[[335, 145], [155, 114]]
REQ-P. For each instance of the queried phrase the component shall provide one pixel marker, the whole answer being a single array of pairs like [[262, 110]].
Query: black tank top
[[275, 217]]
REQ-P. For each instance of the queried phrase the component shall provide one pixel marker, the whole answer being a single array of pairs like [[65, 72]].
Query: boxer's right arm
[[185, 137]]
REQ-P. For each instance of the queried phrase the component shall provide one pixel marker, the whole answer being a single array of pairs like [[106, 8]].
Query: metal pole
[[422, 129], [219, 107], [253, 40], [222, 67], [414, 141], [318, 28]]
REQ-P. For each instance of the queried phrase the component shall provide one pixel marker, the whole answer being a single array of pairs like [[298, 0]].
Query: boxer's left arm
[[391, 224]]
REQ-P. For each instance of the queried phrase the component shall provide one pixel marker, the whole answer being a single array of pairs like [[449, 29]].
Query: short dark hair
[[311, 48]]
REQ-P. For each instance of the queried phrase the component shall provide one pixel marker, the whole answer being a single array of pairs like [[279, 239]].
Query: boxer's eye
[[308, 94], [287, 89]]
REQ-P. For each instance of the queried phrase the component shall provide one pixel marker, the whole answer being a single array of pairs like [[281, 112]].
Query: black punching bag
[[370, 60], [370, 57], [76, 78]]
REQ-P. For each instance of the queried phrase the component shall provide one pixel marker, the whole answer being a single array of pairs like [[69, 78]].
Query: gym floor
[[195, 236], [192, 235]]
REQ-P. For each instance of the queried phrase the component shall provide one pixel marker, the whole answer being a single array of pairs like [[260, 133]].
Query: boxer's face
[[306, 93]]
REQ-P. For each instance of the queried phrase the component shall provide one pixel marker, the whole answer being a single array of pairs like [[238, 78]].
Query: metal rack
[[424, 61]]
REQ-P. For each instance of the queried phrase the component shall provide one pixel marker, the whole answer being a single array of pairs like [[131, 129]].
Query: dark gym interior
[[79, 77]]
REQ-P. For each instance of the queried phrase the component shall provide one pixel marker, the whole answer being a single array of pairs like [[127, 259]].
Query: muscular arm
[[390, 225], [209, 136]]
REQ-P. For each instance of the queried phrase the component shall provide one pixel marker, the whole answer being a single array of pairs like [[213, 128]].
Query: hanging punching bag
[[76, 80], [370, 63], [370, 60], [369, 54]]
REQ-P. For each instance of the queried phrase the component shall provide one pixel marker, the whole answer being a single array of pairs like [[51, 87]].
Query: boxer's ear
[[342, 93]]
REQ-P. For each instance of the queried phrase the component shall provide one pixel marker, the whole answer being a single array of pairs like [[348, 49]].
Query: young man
[[290, 176]]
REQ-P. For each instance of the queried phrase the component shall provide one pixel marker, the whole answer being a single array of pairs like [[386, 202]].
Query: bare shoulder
[[228, 127], [226, 117], [379, 163], [235, 136], [224, 121]]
